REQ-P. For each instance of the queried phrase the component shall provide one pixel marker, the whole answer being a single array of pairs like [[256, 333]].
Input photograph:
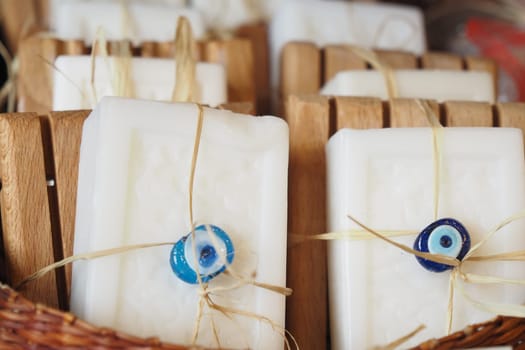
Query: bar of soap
[[148, 21], [153, 80], [384, 178], [133, 188], [374, 25], [54, 5], [440, 85], [228, 14]]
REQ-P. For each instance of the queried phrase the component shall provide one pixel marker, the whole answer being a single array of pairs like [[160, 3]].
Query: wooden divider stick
[[306, 309], [27, 236]]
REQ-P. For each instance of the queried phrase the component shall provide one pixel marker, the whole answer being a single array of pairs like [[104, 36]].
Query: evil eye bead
[[446, 237], [207, 253]]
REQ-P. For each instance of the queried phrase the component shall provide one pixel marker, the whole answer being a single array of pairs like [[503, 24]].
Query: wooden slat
[[74, 47], [66, 134], [406, 112], [398, 59], [18, 19], [237, 56], [148, 49], [339, 58], [35, 77], [306, 309], [511, 115], [358, 113], [468, 114], [257, 34], [435, 60], [239, 107], [485, 65], [27, 235], [300, 69]]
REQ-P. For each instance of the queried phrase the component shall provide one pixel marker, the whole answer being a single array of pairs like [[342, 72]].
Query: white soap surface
[[153, 79], [147, 21], [370, 25], [384, 178], [133, 188], [440, 85], [54, 6]]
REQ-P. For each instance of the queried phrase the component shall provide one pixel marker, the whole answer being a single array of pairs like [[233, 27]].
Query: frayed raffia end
[[184, 89], [398, 342]]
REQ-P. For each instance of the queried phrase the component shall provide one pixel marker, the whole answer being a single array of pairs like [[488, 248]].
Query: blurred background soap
[[152, 79], [440, 85], [133, 21], [370, 25]]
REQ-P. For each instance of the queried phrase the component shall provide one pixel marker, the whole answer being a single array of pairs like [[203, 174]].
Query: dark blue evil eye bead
[[446, 237], [212, 252]]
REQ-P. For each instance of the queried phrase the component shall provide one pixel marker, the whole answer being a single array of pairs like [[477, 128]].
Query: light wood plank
[[300, 69], [307, 309], [18, 19], [26, 221], [35, 77], [74, 47], [468, 114], [441, 60], [485, 65], [257, 34], [66, 134], [237, 56], [239, 107], [338, 58], [511, 115], [397, 59], [406, 112], [358, 113]]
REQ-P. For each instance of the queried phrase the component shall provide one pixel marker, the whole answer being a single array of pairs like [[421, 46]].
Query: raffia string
[[184, 89], [388, 73]]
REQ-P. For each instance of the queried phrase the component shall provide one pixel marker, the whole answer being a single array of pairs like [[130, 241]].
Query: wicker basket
[[24, 325]]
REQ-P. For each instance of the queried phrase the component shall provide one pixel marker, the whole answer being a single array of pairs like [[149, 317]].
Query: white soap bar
[[54, 6], [337, 22], [153, 79], [133, 188], [384, 178], [148, 22], [440, 85]]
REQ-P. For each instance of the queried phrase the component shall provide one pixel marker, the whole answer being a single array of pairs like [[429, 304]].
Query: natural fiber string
[[398, 342], [388, 73], [120, 71], [184, 89], [437, 142], [383, 26]]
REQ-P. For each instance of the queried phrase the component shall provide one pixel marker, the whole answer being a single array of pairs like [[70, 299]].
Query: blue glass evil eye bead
[[212, 252], [446, 237]]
